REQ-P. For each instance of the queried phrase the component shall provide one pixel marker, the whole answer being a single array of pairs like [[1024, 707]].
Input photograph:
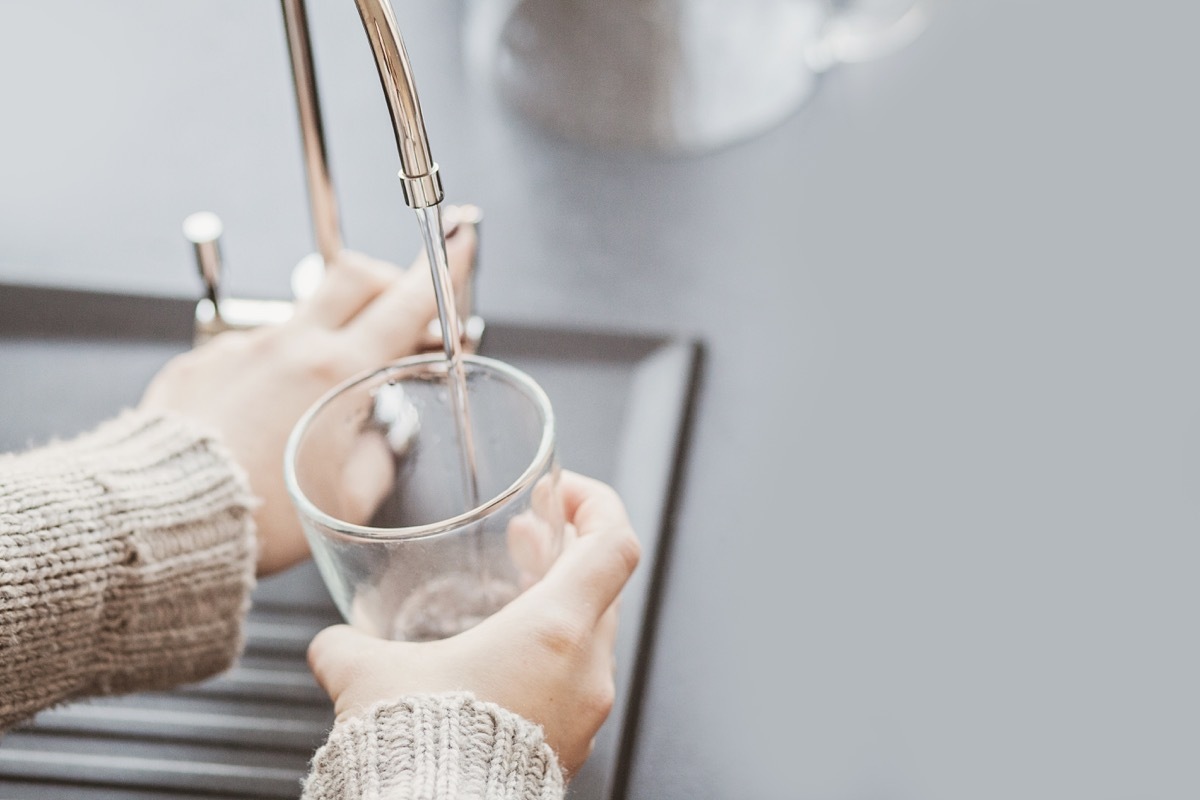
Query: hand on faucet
[[253, 386]]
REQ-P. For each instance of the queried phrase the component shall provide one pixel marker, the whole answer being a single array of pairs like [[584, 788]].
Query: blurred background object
[[674, 75]]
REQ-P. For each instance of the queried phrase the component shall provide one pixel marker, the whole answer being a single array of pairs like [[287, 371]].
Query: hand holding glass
[[410, 547]]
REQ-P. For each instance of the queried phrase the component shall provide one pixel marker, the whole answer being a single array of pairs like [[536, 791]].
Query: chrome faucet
[[419, 178], [419, 172]]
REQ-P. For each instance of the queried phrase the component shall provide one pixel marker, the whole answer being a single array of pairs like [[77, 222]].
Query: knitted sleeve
[[126, 562], [435, 747]]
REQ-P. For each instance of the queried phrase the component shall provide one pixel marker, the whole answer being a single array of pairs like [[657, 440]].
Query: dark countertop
[[938, 537]]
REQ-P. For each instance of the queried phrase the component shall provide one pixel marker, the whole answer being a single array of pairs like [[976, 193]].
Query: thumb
[[336, 655]]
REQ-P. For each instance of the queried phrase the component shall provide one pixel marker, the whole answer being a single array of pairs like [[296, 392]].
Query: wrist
[[173, 511]]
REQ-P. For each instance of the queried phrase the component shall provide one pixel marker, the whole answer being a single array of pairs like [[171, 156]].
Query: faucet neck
[[418, 172]]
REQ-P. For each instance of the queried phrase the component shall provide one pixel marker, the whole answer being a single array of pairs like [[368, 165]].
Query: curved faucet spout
[[418, 171]]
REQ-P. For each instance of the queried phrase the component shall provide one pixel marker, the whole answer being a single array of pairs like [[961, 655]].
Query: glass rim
[[540, 461]]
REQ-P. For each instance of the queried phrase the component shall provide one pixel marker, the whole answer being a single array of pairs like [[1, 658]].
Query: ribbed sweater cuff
[[435, 747], [127, 560]]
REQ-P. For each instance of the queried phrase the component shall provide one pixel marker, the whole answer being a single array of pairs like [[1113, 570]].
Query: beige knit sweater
[[126, 563]]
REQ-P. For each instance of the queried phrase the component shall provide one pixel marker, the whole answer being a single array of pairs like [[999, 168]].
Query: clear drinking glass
[[408, 548]]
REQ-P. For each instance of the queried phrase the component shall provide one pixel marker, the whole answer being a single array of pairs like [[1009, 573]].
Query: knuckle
[[258, 344], [368, 275], [600, 699], [237, 342], [324, 361], [327, 658], [326, 371], [317, 654], [561, 635], [619, 556], [629, 549], [606, 494]]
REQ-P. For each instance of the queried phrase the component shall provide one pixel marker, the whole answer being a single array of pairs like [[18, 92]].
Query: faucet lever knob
[[203, 229], [214, 313]]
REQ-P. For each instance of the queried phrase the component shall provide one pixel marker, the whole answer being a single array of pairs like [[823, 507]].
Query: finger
[[532, 547], [333, 656], [348, 286], [367, 476], [394, 323], [592, 570], [546, 500], [589, 503], [533, 540]]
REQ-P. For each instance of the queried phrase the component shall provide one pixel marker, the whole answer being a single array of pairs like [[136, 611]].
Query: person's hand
[[253, 386], [547, 655]]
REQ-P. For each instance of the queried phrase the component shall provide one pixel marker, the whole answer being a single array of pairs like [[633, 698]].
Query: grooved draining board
[[69, 359]]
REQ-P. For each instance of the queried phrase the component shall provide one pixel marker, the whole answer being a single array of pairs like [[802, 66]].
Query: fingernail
[[451, 220], [470, 214], [455, 217]]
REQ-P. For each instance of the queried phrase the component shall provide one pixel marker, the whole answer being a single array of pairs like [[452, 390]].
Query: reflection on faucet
[[326, 227], [418, 173]]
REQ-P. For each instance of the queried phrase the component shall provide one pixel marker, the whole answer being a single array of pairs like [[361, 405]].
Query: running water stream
[[434, 235]]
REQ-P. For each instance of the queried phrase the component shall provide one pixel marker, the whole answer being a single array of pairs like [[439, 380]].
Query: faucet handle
[[214, 313], [203, 229]]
